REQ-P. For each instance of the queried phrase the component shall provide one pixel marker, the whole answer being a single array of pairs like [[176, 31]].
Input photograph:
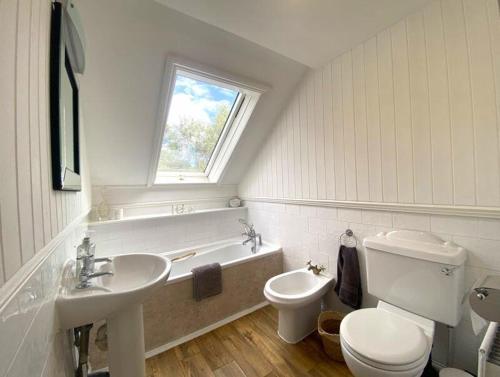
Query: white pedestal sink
[[118, 299]]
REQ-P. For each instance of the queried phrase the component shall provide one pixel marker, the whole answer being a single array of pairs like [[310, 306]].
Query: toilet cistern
[[395, 338]]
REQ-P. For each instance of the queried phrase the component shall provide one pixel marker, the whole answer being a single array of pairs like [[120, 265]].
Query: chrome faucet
[[252, 236], [87, 272], [315, 268]]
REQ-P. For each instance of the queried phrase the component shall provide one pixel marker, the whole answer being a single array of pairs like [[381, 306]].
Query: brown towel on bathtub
[[348, 286], [207, 281]]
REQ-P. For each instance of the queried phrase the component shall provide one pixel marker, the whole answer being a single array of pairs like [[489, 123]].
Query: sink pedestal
[[126, 350]]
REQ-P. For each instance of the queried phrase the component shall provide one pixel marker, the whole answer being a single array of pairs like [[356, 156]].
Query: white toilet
[[419, 279], [297, 296]]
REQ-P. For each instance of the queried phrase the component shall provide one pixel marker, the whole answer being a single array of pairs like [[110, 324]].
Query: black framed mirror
[[64, 108]]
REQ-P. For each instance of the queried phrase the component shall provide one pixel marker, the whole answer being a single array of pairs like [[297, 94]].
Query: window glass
[[199, 111]]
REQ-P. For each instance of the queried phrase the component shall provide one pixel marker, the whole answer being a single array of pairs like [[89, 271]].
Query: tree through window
[[199, 111]]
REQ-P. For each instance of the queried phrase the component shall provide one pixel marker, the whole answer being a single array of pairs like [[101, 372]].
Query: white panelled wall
[[38, 226], [409, 116], [31, 213], [400, 132]]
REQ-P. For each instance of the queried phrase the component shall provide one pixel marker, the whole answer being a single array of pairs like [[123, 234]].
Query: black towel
[[348, 286], [207, 281]]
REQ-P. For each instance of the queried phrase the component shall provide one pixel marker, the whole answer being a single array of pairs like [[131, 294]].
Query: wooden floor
[[247, 347]]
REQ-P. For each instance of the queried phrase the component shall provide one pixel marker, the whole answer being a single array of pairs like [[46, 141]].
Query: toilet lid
[[383, 337]]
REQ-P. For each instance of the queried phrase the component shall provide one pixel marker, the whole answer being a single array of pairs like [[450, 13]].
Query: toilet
[[297, 296], [419, 280]]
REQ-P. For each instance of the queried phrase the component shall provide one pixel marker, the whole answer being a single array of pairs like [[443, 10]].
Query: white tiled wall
[[307, 232], [167, 233], [31, 343]]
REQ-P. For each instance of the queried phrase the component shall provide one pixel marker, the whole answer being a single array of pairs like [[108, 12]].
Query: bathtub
[[172, 316], [228, 253]]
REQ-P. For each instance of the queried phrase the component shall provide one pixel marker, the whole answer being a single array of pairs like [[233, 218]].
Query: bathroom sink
[[135, 277]]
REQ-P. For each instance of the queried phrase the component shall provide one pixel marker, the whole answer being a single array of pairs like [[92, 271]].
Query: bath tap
[[315, 268], [252, 236]]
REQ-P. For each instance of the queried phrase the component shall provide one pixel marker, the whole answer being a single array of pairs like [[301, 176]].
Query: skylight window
[[198, 113], [202, 116]]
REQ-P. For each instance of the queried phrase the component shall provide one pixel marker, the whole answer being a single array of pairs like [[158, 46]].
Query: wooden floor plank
[[196, 366], [168, 364], [230, 370], [213, 351], [244, 353], [187, 350], [247, 347]]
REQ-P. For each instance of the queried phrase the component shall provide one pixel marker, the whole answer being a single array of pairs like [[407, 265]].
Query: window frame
[[236, 122]]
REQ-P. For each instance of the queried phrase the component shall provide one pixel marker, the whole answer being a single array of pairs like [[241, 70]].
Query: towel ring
[[348, 233]]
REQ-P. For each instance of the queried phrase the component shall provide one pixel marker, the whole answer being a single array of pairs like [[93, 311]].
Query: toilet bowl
[[297, 296], [386, 341]]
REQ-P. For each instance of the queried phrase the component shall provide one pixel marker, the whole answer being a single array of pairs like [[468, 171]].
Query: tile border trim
[[431, 209], [16, 282]]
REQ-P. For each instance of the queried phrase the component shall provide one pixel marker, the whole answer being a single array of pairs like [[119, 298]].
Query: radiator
[[489, 352]]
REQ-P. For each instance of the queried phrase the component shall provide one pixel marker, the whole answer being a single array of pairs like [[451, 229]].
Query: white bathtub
[[227, 253]]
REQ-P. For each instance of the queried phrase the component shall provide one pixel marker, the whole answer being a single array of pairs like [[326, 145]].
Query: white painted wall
[[407, 123], [127, 45], [38, 227]]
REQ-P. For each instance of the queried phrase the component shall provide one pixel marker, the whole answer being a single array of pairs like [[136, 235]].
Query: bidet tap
[[252, 235], [315, 268]]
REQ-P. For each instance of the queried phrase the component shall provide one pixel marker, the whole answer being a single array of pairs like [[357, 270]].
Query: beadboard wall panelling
[[31, 213], [38, 226], [410, 116]]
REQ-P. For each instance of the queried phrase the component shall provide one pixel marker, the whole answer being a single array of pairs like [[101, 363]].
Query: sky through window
[[196, 118]]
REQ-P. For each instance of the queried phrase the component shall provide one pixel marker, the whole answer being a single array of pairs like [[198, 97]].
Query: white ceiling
[[127, 45], [309, 31]]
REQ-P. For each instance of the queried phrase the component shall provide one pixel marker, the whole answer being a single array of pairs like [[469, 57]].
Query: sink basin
[[135, 277]]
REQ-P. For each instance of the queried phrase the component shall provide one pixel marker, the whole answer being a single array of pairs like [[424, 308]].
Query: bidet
[[297, 295]]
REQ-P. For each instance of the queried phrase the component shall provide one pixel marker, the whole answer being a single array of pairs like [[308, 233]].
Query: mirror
[[64, 108]]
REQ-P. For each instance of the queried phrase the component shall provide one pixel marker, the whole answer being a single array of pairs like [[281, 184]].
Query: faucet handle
[[308, 262], [248, 227], [103, 259]]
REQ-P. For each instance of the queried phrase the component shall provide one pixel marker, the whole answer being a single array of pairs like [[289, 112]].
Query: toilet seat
[[384, 340]]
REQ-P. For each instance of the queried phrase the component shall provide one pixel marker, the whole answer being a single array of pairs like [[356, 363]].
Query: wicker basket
[[328, 328]]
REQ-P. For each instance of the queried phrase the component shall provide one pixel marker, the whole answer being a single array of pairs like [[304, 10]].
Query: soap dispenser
[[85, 255]]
